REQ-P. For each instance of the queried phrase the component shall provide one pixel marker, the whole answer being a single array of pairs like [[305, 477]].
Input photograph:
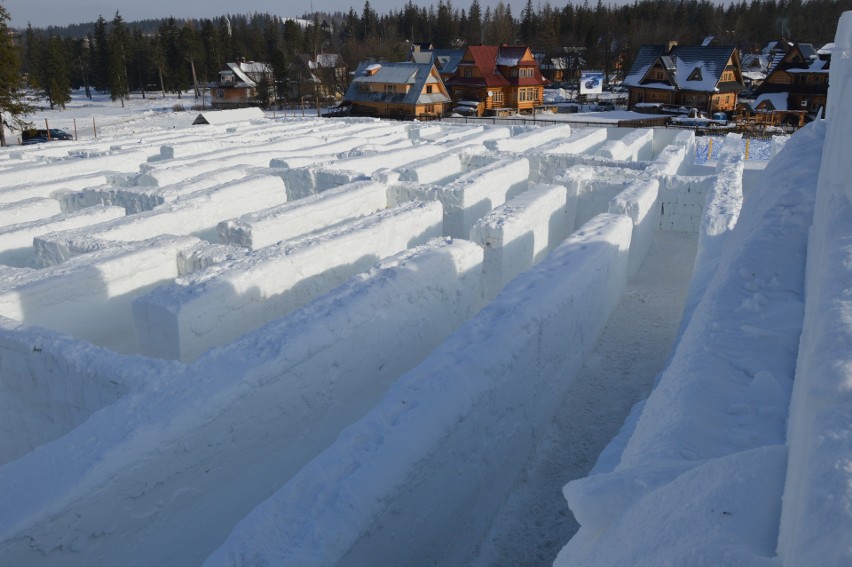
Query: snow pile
[[634, 146]]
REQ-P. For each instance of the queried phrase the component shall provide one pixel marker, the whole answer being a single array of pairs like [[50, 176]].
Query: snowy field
[[286, 340]]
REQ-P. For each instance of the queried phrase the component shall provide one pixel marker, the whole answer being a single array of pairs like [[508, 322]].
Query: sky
[[43, 13]]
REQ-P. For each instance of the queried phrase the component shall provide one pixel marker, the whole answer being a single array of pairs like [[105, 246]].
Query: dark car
[[38, 136], [592, 83]]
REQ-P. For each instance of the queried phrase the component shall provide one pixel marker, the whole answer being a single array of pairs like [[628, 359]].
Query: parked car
[[467, 108], [606, 105], [37, 136]]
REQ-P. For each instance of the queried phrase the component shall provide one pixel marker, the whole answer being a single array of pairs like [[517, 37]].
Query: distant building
[[445, 60], [247, 83], [800, 73], [501, 78], [397, 90], [326, 74], [705, 77]]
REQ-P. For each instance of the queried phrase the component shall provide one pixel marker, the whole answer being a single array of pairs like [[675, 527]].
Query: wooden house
[[246, 83], [705, 77], [398, 90], [802, 74], [445, 60], [501, 78], [326, 76]]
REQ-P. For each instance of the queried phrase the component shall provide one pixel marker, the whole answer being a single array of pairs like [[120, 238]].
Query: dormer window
[[695, 75]]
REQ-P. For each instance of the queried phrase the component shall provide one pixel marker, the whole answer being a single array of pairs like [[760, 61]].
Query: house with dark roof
[[244, 83], [802, 74], [501, 78], [445, 60], [397, 90], [705, 77]]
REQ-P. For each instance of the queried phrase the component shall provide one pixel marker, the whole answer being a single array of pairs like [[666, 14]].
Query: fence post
[[47, 129], [748, 141], [709, 149], [75, 128], [94, 127]]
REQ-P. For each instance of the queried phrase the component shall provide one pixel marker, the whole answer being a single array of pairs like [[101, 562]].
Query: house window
[[498, 97], [467, 73], [428, 89], [430, 108], [390, 89], [220, 93]]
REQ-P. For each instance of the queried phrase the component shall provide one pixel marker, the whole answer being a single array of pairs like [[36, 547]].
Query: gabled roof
[[489, 58], [322, 60], [694, 68], [445, 60], [245, 70], [414, 76]]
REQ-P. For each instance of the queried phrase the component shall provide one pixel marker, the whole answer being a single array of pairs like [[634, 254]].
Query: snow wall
[[701, 473], [449, 428], [816, 521], [185, 459], [210, 308]]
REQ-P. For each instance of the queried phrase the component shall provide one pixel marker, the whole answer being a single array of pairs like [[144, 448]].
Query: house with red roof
[[500, 78]]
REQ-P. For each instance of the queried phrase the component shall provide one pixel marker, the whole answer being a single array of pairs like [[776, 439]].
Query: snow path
[[535, 521]]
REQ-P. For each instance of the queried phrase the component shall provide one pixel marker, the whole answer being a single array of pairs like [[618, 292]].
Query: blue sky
[[42, 13]]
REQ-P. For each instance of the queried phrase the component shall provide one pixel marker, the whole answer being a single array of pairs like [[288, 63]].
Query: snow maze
[[308, 342]]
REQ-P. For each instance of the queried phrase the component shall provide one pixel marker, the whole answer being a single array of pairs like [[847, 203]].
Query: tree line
[[177, 56]]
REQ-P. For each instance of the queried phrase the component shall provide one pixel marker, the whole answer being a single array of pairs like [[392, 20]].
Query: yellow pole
[[709, 149], [748, 140]]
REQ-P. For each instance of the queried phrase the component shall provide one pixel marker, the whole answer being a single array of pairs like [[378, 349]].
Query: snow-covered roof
[[228, 116], [777, 100], [697, 68], [414, 76]]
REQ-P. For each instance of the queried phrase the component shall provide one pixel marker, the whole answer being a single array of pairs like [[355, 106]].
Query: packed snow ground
[[179, 387]]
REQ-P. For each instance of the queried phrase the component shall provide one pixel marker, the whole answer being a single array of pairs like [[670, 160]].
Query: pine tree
[[13, 105], [99, 65], [118, 41]]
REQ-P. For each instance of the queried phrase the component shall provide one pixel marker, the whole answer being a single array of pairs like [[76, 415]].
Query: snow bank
[[699, 481], [51, 383], [475, 193], [817, 516], [520, 232], [120, 161], [48, 189], [28, 210], [197, 214], [676, 156], [16, 241], [464, 419], [641, 202], [212, 307], [210, 441], [304, 216], [437, 169], [89, 296], [638, 145], [529, 140]]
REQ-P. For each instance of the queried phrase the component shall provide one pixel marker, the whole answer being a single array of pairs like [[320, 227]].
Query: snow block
[[325, 365], [530, 140], [641, 202], [448, 438], [213, 307], [303, 216], [521, 232], [638, 145], [674, 157], [16, 241], [196, 214], [89, 297], [437, 169], [475, 193]]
